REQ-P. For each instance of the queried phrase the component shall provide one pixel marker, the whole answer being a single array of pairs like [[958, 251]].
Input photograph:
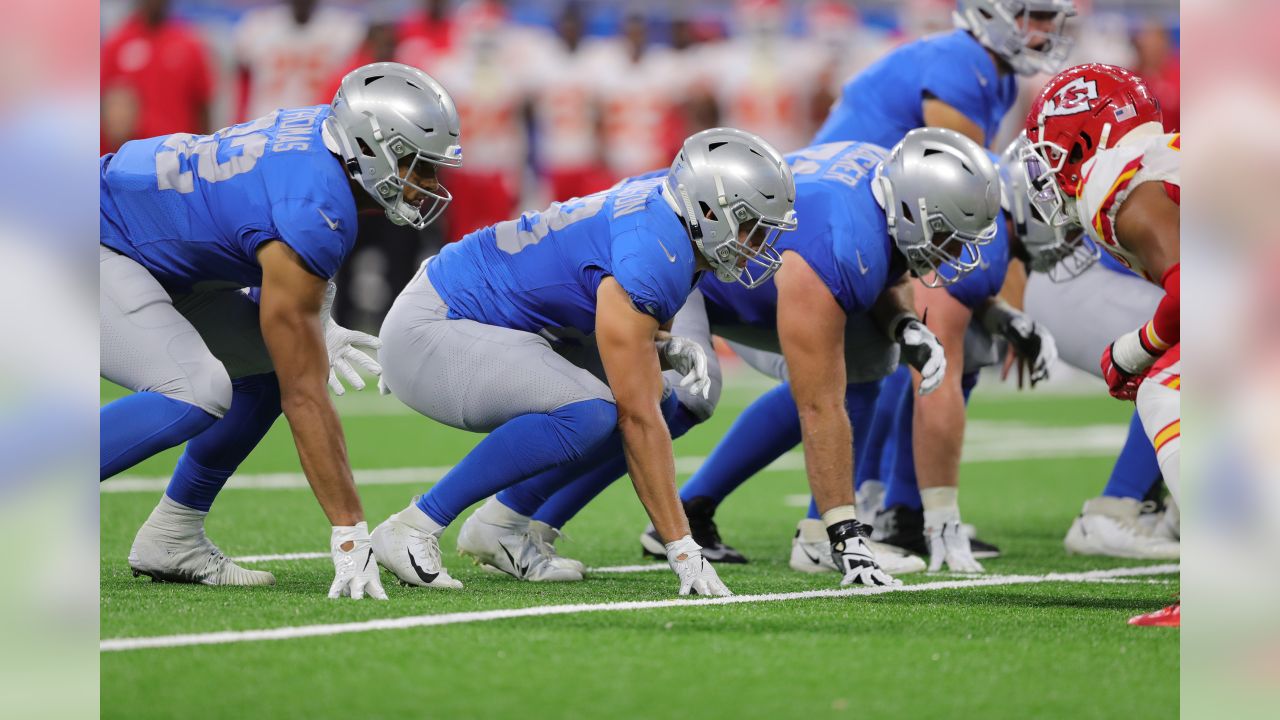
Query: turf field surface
[[1042, 635]]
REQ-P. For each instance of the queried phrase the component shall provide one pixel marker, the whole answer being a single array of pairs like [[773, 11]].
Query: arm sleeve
[[1164, 330]]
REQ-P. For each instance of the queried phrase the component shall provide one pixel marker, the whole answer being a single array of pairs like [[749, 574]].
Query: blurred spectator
[[157, 78], [486, 75], [379, 46], [566, 111], [848, 45], [426, 34], [1158, 64], [643, 89], [762, 79], [288, 53]]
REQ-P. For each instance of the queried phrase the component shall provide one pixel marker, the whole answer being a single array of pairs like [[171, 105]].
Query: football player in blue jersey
[[963, 80], [189, 221], [485, 336], [834, 312]]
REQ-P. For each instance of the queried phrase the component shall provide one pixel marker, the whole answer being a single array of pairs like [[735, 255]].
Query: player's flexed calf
[[478, 341], [1096, 138], [187, 222]]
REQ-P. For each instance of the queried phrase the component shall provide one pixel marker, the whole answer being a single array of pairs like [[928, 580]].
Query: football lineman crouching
[[827, 311], [469, 343], [187, 221]]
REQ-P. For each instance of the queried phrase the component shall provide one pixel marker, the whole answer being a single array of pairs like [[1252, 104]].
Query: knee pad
[[583, 425]]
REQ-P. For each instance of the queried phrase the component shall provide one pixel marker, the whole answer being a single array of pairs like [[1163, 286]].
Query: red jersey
[[167, 68]]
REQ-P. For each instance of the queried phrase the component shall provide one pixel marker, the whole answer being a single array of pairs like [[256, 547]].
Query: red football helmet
[[1082, 110]]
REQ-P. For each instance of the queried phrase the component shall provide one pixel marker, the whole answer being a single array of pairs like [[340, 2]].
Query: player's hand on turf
[[949, 545], [922, 351], [697, 576], [355, 569], [1124, 363], [854, 558], [1031, 345], [344, 346], [687, 358]]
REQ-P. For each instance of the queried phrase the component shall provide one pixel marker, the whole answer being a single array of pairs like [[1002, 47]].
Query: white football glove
[[922, 351], [355, 569], [697, 576], [1032, 344], [689, 359], [948, 544], [341, 344], [855, 559]]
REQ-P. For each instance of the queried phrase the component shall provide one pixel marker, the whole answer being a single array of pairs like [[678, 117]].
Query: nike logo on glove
[[333, 224], [423, 575]]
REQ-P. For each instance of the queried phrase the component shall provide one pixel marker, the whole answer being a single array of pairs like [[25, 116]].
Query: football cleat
[[545, 537], [171, 547], [1110, 526], [811, 552], [1164, 617], [870, 498], [702, 526], [408, 546], [516, 551]]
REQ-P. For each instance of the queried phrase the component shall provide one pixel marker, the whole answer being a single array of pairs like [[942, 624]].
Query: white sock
[[495, 513], [174, 517], [941, 505]]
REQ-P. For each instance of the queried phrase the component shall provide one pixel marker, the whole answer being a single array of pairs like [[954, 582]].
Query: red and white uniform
[[1113, 173], [640, 101], [566, 110], [290, 64]]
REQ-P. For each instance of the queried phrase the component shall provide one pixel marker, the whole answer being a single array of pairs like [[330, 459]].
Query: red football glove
[[1121, 384]]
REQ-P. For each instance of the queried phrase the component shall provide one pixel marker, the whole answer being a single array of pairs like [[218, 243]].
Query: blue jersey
[[885, 101], [193, 209], [841, 234], [985, 280], [541, 271]]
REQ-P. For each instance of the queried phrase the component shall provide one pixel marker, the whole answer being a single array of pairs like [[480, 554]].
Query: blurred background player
[[468, 343], [1098, 157], [157, 77], [188, 221], [286, 54]]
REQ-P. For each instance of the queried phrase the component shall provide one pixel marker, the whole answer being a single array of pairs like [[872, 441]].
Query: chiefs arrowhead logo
[[1071, 98]]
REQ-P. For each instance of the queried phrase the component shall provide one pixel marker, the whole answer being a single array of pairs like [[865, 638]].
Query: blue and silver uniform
[[193, 209], [885, 101], [841, 234], [541, 271]]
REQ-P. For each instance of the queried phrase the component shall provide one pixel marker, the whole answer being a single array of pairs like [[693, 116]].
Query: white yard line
[[984, 442], [610, 570], [414, 621]]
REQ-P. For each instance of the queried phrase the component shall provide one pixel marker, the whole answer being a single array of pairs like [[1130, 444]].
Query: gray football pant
[[185, 346]]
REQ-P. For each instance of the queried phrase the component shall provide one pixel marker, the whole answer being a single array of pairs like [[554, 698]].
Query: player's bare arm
[[939, 416], [625, 337], [1147, 225], [290, 318], [811, 330], [894, 301], [940, 114]]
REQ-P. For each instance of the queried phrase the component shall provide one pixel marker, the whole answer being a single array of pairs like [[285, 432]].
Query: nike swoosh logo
[[366, 560], [423, 575], [812, 559], [670, 257], [862, 268], [515, 564], [982, 79], [333, 224]]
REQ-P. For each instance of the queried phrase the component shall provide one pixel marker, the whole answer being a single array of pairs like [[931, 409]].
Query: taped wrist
[[997, 316], [847, 529], [898, 325], [1130, 354]]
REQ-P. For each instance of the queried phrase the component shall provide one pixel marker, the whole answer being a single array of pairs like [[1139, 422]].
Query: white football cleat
[[1109, 526], [408, 544], [171, 547], [514, 548], [870, 498], [545, 537], [811, 552]]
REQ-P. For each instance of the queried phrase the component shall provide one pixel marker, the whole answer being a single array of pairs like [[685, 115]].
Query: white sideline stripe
[[984, 442], [414, 621], [615, 569]]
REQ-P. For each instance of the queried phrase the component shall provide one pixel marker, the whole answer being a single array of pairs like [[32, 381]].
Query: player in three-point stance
[[1100, 158], [189, 221], [482, 339]]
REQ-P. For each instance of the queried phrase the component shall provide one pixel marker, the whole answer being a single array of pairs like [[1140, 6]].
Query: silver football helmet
[[726, 181], [941, 198], [1001, 26], [385, 112], [1062, 252]]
